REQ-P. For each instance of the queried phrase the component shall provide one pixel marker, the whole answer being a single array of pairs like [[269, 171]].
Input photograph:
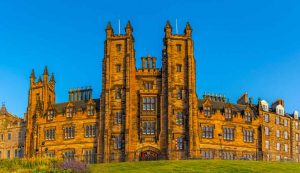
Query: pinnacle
[[45, 71]]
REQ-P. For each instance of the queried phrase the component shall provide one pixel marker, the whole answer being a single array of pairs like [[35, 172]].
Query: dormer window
[[279, 110], [70, 112], [90, 110], [264, 105], [248, 117], [50, 114], [207, 111], [228, 115]]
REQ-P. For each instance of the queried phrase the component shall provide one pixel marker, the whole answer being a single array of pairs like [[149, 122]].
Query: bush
[[74, 166]]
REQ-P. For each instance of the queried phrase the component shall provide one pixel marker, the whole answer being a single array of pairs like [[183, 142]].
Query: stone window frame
[[69, 154], [149, 103], [266, 118], [51, 133], [207, 131], [89, 155], [117, 140], [118, 117], [118, 68], [179, 68], [70, 111], [247, 116], [179, 143], [248, 135], [50, 114], [207, 154], [179, 118], [90, 109], [228, 133], [148, 127], [228, 113], [90, 130], [67, 134], [207, 110]]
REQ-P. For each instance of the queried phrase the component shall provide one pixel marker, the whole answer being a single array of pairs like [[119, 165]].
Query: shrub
[[74, 166]]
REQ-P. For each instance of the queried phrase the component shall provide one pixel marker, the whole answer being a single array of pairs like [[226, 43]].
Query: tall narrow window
[[297, 136], [277, 133], [38, 97], [248, 117], [9, 136], [228, 133], [179, 94], [118, 93], [207, 132], [286, 135], [267, 144], [90, 110], [277, 120], [179, 118], [178, 68], [50, 114], [267, 131], [179, 143], [118, 68], [248, 135], [228, 115], [296, 125], [285, 122], [69, 132], [178, 47], [278, 146], [118, 117], [266, 117], [117, 140], [90, 131], [118, 47]]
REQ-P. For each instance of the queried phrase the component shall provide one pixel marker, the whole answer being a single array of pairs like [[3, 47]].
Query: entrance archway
[[148, 153]]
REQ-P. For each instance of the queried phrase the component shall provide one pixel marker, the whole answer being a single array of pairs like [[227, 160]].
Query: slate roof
[[60, 107], [218, 105]]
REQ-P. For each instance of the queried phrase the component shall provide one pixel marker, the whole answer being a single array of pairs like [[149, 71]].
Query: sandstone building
[[12, 135], [154, 113]]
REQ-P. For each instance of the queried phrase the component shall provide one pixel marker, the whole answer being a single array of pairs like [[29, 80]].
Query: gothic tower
[[40, 96], [118, 130], [179, 94]]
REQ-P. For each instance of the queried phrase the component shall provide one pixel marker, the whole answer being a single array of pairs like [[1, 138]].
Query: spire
[[168, 29], [128, 28], [109, 30], [46, 71], [32, 75], [3, 108], [52, 78], [188, 29]]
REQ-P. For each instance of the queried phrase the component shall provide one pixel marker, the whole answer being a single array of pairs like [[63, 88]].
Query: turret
[[168, 29], [129, 29], [45, 75], [188, 29], [52, 80], [109, 30], [32, 77]]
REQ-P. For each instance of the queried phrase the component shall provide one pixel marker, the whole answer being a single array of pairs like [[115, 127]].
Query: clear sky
[[240, 46]]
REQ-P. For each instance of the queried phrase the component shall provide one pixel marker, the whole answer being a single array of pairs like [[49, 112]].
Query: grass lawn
[[187, 166]]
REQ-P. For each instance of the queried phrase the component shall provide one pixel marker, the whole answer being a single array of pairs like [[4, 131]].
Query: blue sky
[[240, 46]]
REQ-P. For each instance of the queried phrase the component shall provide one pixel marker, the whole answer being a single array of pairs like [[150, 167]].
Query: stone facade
[[12, 135], [154, 113]]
